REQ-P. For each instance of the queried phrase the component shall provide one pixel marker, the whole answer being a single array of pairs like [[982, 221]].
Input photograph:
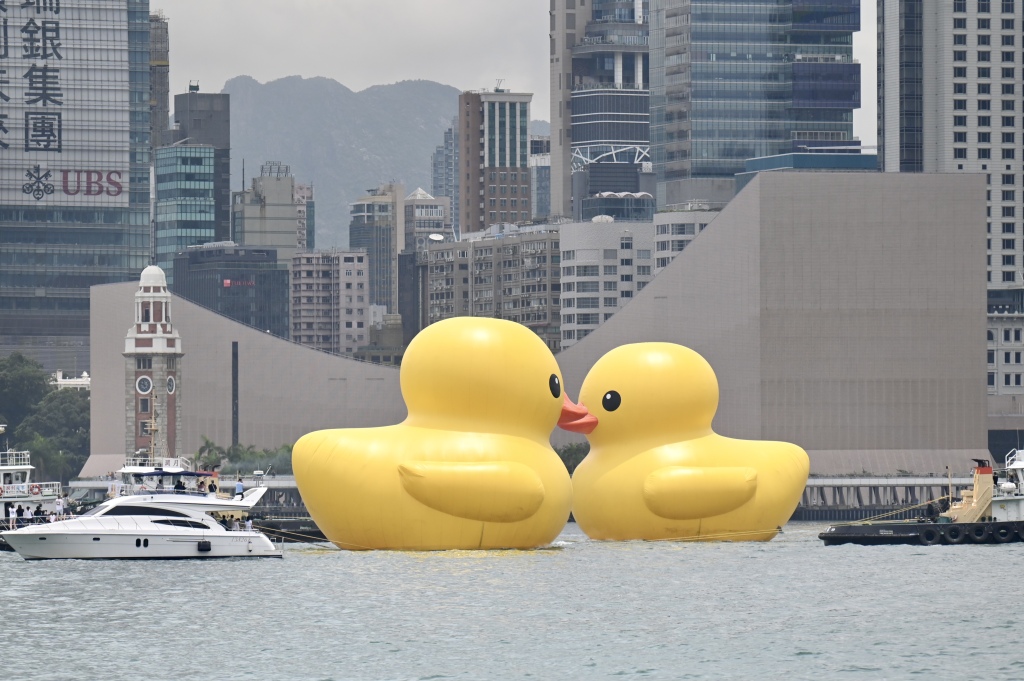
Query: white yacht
[[16, 485], [148, 519]]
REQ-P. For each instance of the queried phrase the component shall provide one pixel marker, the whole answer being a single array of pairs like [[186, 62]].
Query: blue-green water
[[789, 609]]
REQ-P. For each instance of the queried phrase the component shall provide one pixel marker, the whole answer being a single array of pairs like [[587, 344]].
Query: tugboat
[[992, 512]]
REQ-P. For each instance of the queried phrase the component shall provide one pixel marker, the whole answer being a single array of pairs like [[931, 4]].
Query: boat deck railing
[[12, 459], [23, 491]]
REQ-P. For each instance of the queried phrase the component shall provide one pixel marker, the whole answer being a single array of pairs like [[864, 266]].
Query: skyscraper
[[494, 154], [600, 98], [445, 171], [185, 207], [729, 84], [378, 228], [205, 118], [159, 78], [74, 168]]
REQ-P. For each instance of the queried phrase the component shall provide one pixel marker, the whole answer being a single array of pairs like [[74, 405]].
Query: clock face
[[144, 385], [170, 385]]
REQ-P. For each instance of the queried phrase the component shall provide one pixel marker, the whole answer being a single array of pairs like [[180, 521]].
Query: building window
[[961, 39], [1009, 277], [960, 120], [1009, 211], [611, 270], [984, 105], [960, 105], [1009, 260], [143, 405], [143, 363], [1009, 228], [991, 356], [984, 55], [961, 137], [960, 153], [991, 379], [626, 244], [984, 121], [1007, 155]]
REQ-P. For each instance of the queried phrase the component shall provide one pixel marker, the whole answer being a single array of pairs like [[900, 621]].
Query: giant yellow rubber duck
[[656, 470], [470, 468]]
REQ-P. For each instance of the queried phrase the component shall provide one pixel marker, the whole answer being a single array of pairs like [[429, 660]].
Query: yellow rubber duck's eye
[[611, 400], [555, 385]]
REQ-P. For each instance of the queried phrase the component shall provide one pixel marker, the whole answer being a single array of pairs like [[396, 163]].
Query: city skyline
[[422, 42]]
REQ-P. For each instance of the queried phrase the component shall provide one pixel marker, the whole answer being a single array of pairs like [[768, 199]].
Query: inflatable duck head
[[650, 392], [482, 375]]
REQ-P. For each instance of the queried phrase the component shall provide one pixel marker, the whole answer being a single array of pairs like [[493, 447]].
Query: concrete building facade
[[949, 84], [494, 153], [159, 79], [239, 384], [604, 265], [508, 272], [275, 212], [330, 300], [840, 311]]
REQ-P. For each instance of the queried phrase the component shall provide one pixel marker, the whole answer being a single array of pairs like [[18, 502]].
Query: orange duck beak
[[576, 418]]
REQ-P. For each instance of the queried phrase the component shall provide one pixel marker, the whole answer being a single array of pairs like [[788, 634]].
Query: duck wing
[[496, 491], [682, 493]]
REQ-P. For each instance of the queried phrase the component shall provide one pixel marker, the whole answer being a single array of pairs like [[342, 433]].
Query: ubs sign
[[40, 183]]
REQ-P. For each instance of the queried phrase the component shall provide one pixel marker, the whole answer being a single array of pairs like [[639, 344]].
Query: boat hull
[[127, 546], [923, 534]]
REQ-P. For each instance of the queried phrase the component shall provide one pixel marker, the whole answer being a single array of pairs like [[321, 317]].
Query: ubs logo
[[73, 183]]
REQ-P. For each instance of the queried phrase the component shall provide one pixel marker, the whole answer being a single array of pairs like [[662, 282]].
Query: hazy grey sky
[[465, 43]]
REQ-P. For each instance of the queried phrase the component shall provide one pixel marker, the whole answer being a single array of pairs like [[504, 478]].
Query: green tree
[[572, 454], [23, 383], [210, 455], [57, 434]]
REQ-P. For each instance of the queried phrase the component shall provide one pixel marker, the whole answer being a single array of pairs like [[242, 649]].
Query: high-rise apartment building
[[731, 82], [185, 207], [275, 212], [445, 171], [205, 118], [74, 168], [604, 264], [426, 219], [507, 272], [494, 153], [330, 300], [377, 228], [600, 97]]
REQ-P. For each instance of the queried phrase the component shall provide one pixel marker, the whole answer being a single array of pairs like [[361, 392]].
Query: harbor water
[[788, 609]]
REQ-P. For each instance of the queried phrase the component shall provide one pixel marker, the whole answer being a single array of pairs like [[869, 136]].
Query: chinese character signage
[[64, 103]]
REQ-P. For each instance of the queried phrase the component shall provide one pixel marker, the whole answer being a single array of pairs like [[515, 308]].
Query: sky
[[469, 44]]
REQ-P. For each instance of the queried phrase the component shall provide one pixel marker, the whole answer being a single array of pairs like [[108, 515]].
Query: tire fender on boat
[[980, 533], [930, 536], [954, 534], [1004, 534]]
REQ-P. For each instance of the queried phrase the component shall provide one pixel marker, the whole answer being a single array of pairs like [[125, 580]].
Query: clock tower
[[152, 351]]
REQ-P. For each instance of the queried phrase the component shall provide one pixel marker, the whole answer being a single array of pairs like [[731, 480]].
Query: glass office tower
[[185, 206], [74, 168], [737, 80]]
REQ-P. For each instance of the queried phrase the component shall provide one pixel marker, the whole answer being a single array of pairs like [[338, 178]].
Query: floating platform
[[924, 533]]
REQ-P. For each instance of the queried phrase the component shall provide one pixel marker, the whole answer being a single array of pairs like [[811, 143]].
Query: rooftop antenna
[[497, 88], [193, 86]]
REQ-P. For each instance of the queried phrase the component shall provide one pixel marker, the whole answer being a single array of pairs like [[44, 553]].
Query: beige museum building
[[845, 312]]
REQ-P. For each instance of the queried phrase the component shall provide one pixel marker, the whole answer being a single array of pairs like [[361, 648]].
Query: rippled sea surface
[[788, 609]]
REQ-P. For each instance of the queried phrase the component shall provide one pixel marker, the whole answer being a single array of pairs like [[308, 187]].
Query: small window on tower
[[144, 405]]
